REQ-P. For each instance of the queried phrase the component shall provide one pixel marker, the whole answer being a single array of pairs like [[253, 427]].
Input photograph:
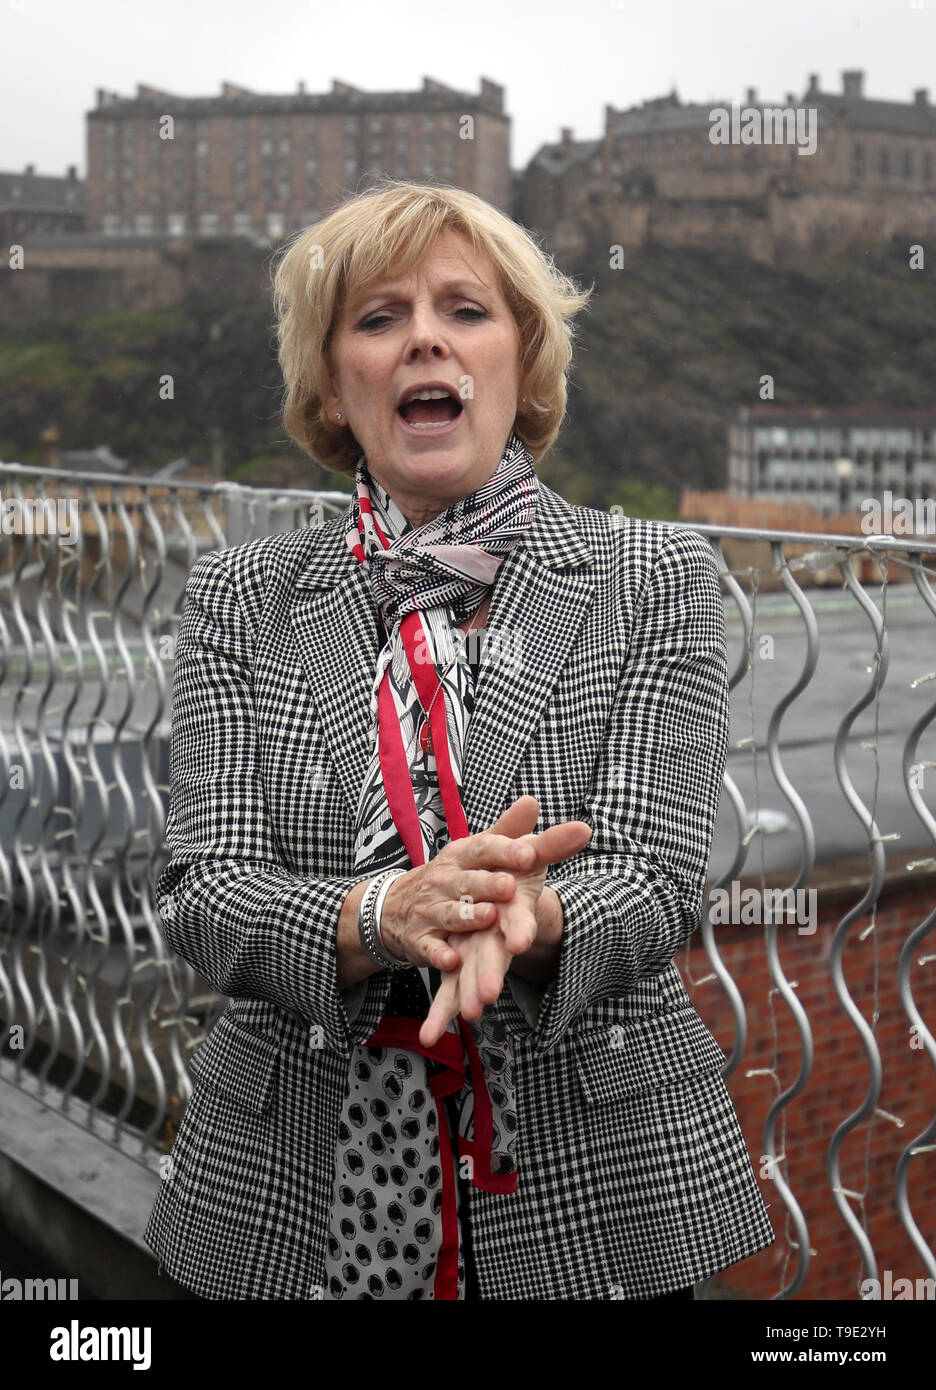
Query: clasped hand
[[472, 908]]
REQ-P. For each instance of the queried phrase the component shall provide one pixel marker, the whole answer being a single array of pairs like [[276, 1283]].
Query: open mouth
[[430, 410]]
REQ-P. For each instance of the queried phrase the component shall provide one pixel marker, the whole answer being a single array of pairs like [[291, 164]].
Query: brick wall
[[838, 1082]]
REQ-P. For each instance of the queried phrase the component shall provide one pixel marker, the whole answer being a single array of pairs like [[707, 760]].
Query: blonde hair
[[387, 229]]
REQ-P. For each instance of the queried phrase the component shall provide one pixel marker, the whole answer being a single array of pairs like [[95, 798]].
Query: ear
[[332, 401]]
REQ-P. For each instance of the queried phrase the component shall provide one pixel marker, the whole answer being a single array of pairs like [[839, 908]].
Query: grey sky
[[560, 61]]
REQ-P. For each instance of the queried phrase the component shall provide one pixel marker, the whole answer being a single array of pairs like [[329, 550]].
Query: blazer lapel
[[538, 604]]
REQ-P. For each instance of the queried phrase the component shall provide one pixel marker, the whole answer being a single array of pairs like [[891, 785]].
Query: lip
[[429, 431], [428, 386]]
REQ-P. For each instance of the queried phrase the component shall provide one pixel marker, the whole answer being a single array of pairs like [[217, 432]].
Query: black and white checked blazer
[[634, 1175]]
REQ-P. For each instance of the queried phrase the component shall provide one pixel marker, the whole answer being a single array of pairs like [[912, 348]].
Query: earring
[[338, 416]]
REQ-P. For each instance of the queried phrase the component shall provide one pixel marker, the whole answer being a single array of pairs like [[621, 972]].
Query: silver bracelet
[[369, 922]]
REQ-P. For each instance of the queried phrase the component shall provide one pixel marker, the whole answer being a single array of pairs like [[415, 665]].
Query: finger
[[465, 916], [469, 1002], [517, 923], [439, 952], [558, 842], [487, 886], [492, 850], [493, 964], [518, 819], [562, 841], [443, 1009]]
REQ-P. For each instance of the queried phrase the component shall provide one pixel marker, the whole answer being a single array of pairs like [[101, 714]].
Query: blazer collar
[[539, 599]]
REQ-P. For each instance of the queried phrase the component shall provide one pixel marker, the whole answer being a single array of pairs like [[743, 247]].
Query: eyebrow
[[468, 288]]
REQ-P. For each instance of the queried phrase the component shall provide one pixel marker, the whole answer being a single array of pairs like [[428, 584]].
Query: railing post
[[240, 515]]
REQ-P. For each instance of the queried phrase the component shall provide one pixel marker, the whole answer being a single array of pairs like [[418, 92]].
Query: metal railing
[[100, 1017]]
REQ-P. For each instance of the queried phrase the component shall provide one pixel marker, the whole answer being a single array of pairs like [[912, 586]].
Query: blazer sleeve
[[229, 905], [634, 894]]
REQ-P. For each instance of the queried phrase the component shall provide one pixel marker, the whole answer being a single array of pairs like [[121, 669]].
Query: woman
[[459, 1060]]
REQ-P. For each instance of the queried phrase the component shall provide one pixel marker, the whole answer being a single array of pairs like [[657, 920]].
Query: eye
[[377, 320]]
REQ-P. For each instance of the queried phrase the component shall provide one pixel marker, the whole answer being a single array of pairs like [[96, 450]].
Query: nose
[[426, 337]]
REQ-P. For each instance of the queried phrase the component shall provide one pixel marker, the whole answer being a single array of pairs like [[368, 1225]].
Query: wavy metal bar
[[101, 938], [23, 925], [156, 825], [870, 896], [73, 559], [780, 982], [6, 869], [926, 1140], [121, 865], [51, 906]]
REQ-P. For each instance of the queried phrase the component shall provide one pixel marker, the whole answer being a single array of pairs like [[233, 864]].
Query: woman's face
[[447, 323]]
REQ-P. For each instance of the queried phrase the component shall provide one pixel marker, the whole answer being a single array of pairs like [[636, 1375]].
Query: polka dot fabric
[[386, 1226]]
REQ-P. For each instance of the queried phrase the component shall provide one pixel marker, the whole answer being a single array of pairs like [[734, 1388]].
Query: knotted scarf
[[426, 580]]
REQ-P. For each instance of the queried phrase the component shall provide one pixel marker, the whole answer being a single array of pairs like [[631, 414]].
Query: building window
[[175, 224], [927, 166], [885, 163], [284, 193], [275, 224], [266, 146], [857, 161], [208, 223], [201, 147], [284, 144], [111, 223], [241, 224], [350, 167], [311, 167], [908, 163]]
